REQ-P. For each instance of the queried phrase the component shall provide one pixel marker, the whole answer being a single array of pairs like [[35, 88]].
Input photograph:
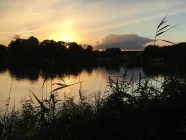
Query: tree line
[[31, 49], [171, 54]]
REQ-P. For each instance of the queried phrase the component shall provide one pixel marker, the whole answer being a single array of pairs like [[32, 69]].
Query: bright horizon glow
[[64, 32], [67, 37]]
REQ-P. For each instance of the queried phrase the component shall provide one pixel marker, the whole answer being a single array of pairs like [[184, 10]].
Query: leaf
[[162, 22], [59, 84], [167, 41], [41, 104], [52, 98], [146, 83], [44, 81], [62, 80], [160, 33], [66, 86], [166, 30], [163, 28]]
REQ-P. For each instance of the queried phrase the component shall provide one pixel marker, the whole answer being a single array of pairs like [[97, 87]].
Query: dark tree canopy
[[112, 51], [17, 44], [2, 47], [151, 50], [3, 51], [61, 46], [89, 48], [173, 53], [24, 47], [32, 42], [73, 47]]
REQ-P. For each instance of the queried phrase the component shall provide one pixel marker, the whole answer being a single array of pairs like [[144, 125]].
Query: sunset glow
[[64, 32], [88, 21], [67, 37]]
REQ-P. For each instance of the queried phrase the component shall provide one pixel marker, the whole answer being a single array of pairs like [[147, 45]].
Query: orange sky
[[88, 21]]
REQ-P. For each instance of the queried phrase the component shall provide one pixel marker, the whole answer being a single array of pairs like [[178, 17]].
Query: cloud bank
[[126, 41]]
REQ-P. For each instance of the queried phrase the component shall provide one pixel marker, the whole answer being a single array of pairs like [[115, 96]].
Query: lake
[[16, 82]]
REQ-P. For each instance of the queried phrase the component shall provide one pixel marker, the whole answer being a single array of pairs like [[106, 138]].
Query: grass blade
[[162, 22], [63, 80], [167, 41], [163, 28], [41, 104], [160, 33], [59, 84], [173, 27], [166, 30], [67, 86], [59, 88], [44, 81]]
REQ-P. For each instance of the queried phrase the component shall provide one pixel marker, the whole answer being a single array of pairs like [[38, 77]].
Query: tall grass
[[162, 28]]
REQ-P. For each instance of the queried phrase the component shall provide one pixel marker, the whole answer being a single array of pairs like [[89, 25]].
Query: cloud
[[97, 43], [126, 41], [16, 37]]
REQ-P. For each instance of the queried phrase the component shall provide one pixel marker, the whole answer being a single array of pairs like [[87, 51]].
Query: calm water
[[95, 80]]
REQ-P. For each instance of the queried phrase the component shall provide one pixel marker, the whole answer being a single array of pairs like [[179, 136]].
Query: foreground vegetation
[[145, 114]]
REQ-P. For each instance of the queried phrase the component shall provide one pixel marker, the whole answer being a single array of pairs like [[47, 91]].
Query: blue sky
[[88, 21]]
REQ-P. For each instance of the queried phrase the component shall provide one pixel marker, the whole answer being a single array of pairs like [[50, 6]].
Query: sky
[[89, 21]]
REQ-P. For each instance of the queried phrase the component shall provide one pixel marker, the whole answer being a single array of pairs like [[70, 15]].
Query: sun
[[67, 37], [65, 32]]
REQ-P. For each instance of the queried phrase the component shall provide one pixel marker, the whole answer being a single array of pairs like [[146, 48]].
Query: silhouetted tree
[[3, 51], [89, 48], [61, 46], [74, 49], [151, 51], [61, 51], [48, 48], [17, 44], [32, 42], [24, 48], [173, 54], [110, 52], [16, 48]]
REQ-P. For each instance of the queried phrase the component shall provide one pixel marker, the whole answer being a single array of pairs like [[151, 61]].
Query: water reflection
[[27, 77], [20, 72], [3, 67]]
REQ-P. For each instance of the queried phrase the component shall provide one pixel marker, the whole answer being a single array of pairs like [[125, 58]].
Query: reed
[[163, 28]]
